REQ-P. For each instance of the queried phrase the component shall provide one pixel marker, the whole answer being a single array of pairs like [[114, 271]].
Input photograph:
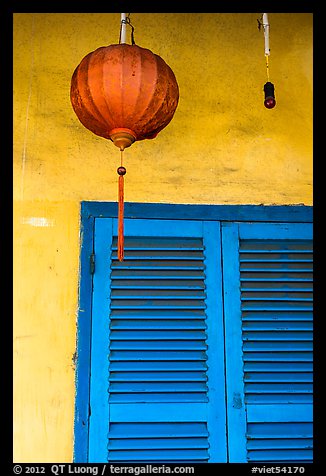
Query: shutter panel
[[160, 407], [276, 302], [268, 323]]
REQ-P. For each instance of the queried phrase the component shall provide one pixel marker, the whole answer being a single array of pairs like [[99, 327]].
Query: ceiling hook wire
[[127, 21]]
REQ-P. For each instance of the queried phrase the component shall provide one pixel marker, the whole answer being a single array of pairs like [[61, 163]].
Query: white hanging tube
[[266, 33], [123, 28]]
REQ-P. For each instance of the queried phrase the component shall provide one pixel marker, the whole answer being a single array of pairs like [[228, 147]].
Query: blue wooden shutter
[[157, 366], [268, 306]]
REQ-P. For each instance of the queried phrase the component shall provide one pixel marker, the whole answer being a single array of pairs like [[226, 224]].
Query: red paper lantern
[[124, 93]]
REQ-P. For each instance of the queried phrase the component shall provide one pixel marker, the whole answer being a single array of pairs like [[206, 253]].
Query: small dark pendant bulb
[[269, 95], [121, 170]]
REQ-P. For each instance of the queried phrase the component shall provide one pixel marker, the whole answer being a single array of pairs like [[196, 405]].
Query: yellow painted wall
[[222, 147]]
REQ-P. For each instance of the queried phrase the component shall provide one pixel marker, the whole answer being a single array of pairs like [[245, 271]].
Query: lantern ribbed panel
[[124, 86]]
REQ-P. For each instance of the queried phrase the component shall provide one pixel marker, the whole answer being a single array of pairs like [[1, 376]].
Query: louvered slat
[[157, 284], [158, 376], [148, 324], [169, 397], [166, 345], [156, 314], [158, 366], [156, 355], [276, 301]]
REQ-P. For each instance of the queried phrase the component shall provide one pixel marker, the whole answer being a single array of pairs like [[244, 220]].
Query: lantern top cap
[[122, 138]]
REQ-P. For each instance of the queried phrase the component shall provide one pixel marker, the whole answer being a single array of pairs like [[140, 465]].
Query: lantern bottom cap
[[122, 138]]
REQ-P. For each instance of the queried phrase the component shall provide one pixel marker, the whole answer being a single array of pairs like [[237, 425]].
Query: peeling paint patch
[[237, 402], [37, 221]]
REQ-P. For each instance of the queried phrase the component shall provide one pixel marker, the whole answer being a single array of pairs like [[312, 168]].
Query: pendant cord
[[267, 67], [121, 172]]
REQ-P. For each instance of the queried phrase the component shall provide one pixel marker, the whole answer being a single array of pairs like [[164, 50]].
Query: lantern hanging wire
[[125, 20]]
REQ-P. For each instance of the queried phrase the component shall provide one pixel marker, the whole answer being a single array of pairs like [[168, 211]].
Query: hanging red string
[[121, 171]]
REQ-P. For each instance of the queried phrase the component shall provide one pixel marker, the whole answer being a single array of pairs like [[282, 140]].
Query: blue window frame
[[175, 344]]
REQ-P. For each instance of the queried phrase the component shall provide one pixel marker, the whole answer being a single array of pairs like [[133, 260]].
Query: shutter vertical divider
[[215, 343], [236, 410]]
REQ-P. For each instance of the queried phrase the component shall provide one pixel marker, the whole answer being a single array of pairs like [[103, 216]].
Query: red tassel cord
[[121, 171]]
